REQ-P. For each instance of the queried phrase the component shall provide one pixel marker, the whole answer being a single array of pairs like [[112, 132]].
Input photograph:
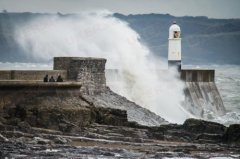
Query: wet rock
[[2, 120], [60, 140], [13, 121], [41, 141], [206, 138], [24, 126], [23, 139], [156, 133], [1, 126], [2, 138], [201, 126], [232, 134], [110, 116], [65, 127]]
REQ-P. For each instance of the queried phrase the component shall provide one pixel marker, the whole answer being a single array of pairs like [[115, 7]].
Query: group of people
[[51, 79]]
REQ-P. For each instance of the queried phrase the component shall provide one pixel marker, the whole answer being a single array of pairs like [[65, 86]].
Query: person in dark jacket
[[45, 79], [51, 79], [59, 78]]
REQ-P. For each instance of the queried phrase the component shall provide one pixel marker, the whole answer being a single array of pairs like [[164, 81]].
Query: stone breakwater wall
[[90, 72], [201, 92], [30, 74], [13, 93]]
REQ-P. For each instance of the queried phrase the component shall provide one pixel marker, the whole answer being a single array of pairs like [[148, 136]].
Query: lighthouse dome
[[174, 31]]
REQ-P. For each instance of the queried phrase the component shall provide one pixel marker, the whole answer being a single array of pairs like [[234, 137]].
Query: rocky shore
[[58, 123], [195, 138]]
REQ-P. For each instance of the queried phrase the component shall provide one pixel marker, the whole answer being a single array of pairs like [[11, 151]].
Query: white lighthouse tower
[[174, 46]]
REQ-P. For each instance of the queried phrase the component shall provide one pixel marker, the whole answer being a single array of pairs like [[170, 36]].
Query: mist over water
[[101, 35]]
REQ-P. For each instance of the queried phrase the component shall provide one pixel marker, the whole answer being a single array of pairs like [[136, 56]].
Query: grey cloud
[[210, 8]]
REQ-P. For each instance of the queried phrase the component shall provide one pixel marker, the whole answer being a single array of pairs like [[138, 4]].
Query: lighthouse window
[[176, 34]]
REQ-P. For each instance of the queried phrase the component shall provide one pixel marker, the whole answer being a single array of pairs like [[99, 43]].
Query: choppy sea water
[[228, 83], [227, 80]]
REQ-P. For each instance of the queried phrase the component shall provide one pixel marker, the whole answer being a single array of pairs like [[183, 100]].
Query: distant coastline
[[205, 41]]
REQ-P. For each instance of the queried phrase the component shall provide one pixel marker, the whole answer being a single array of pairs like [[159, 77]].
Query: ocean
[[228, 83]]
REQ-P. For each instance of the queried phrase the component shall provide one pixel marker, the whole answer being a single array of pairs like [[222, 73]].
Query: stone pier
[[90, 72]]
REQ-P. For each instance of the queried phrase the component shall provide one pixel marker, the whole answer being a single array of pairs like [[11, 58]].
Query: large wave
[[101, 35]]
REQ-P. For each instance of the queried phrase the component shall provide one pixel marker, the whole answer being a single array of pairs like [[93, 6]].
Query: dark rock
[[179, 135], [24, 126], [214, 138], [110, 116], [23, 139], [201, 126], [2, 138], [156, 133], [42, 141], [20, 112], [65, 127], [1, 126], [232, 134], [60, 140], [13, 121], [2, 120]]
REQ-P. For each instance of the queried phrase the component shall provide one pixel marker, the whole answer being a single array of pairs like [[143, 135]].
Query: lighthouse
[[174, 46]]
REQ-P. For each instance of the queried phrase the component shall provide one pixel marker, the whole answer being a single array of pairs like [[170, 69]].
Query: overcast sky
[[210, 8]]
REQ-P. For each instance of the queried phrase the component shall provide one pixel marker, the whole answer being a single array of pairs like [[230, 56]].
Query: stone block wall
[[89, 71], [62, 63]]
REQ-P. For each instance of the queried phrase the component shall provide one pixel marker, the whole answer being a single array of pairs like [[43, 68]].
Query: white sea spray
[[99, 34]]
